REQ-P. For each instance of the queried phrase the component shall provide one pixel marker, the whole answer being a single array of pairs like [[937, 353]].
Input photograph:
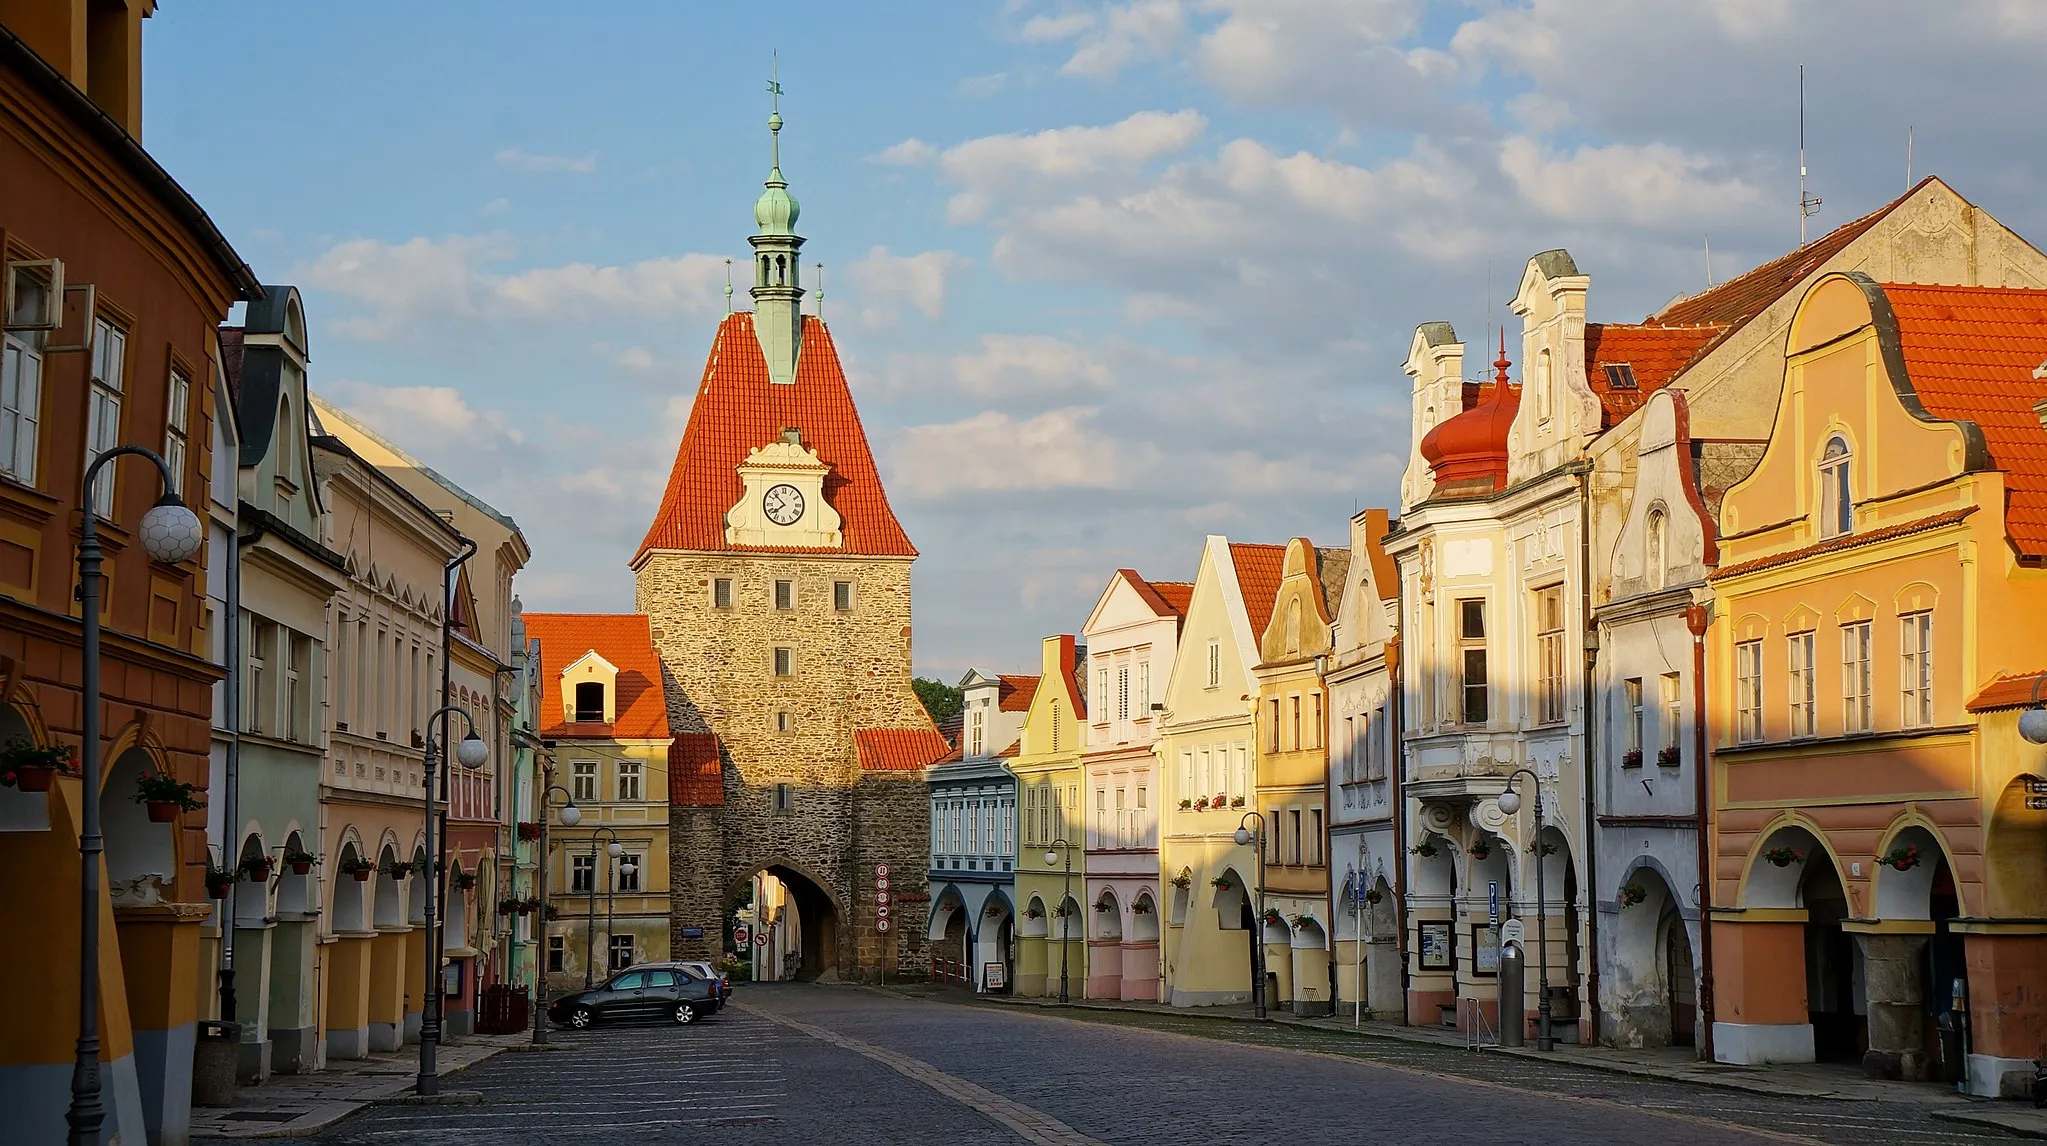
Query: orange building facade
[[1882, 585]]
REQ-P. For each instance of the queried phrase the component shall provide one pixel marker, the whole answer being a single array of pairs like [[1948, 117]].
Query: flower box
[[1632, 758], [1668, 756], [1186, 804]]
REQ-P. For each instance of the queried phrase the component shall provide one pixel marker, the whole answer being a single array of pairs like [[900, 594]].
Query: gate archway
[[802, 920]]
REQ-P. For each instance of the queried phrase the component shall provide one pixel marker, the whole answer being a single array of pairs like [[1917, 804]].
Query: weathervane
[[775, 107], [728, 286]]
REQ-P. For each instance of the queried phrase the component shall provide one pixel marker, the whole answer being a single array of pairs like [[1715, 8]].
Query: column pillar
[[1759, 985], [158, 948], [252, 996], [348, 995], [2007, 964], [292, 1025], [1892, 966], [414, 968]]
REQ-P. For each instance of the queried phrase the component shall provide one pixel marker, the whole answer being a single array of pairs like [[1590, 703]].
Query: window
[[1799, 652], [1351, 763], [583, 781], [785, 595], [1315, 837], [785, 661], [784, 799], [1215, 664], [628, 871], [582, 873], [1549, 646], [1545, 401], [103, 420], [621, 958], [1631, 733], [1272, 727], [629, 780], [1837, 507], [1293, 704], [1916, 678], [1187, 774], [784, 722], [721, 593], [1471, 660], [1659, 549], [557, 953], [1008, 827], [976, 727], [589, 700], [175, 432], [21, 378], [298, 673], [262, 639], [1855, 677], [1122, 819], [988, 827], [842, 596], [1143, 689], [973, 845], [1667, 688], [1123, 692], [1315, 719], [1748, 691], [955, 840]]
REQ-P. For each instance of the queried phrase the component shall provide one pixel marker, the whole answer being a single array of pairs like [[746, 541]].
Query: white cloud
[[1027, 366], [981, 87], [422, 414], [884, 282], [1651, 185], [520, 159], [1051, 29], [1005, 164], [991, 451], [908, 153], [498, 206]]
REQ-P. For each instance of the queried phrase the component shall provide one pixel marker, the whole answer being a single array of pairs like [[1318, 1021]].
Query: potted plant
[[1141, 907], [1783, 857], [529, 905], [466, 881], [165, 796], [300, 861], [1425, 849], [511, 906], [30, 768], [398, 869], [1104, 906], [1632, 894], [218, 880], [1481, 849], [1186, 804], [1220, 883], [1668, 756], [1301, 922], [1184, 880], [529, 831], [551, 913], [1904, 857], [1632, 758], [1201, 803], [1236, 801], [257, 868], [358, 867], [1374, 895], [1034, 912], [1272, 915]]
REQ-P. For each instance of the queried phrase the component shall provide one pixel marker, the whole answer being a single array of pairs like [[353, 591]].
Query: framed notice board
[[1435, 946], [1485, 949]]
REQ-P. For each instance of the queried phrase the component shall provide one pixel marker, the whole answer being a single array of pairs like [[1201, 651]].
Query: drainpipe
[[230, 804], [504, 763], [1396, 770], [1696, 619], [1588, 1013]]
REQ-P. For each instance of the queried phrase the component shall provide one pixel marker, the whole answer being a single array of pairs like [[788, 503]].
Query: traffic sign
[[740, 934], [761, 940], [1492, 900], [1510, 933], [881, 924], [881, 871]]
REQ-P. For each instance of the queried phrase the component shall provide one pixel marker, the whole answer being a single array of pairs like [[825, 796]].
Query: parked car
[[706, 971], [646, 991]]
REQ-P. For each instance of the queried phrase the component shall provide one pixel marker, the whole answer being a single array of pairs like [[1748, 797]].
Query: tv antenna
[[728, 286], [1709, 262], [1808, 205], [1908, 157], [820, 291]]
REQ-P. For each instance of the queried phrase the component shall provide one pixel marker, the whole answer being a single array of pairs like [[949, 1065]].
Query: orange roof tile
[[640, 710], [1016, 693], [1176, 594], [1654, 354], [2007, 690], [898, 749], [696, 772], [1970, 353], [1013, 751], [737, 409], [1258, 575], [1844, 541]]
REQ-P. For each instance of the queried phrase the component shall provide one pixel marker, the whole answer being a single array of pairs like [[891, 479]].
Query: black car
[[649, 991]]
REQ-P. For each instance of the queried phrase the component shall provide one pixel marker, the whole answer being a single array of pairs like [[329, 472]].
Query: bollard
[[1513, 997], [215, 1060]]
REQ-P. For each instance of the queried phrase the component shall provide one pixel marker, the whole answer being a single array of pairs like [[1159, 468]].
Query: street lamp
[[2033, 721], [1061, 847], [1244, 836], [571, 816], [471, 753], [1510, 803], [613, 849], [171, 534]]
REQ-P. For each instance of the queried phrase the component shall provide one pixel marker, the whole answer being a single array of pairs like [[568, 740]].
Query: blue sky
[[1107, 276]]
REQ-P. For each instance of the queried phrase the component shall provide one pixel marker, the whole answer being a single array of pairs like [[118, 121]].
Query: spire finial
[[1500, 364], [728, 286], [775, 111], [820, 291]]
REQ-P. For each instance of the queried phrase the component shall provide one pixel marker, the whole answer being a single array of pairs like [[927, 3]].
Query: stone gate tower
[[777, 582]]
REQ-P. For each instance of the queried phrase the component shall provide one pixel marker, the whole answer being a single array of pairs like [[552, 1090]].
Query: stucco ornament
[[1438, 816], [1487, 814]]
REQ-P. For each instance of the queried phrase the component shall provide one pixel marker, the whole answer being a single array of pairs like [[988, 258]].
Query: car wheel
[[685, 1013], [581, 1018]]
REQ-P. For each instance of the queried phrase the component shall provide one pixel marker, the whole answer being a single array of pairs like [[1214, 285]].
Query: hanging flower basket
[[1186, 804], [1302, 922], [257, 868], [1904, 857], [1424, 849], [1272, 915], [1034, 912], [511, 906], [1105, 907], [398, 869], [1183, 881], [1543, 848], [359, 868], [1481, 849], [218, 880], [465, 881], [551, 913], [1632, 894], [1220, 883], [1141, 907], [529, 831], [1668, 756], [301, 862], [1783, 857], [165, 796], [30, 768], [1374, 896], [1632, 758]]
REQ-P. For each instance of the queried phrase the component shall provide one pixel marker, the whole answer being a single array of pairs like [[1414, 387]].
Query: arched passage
[[1105, 947], [142, 856], [1911, 956], [1794, 905], [803, 921], [1651, 989], [992, 944], [951, 939], [1033, 945]]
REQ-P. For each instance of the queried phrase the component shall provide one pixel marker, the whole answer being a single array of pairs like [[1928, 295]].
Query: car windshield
[[630, 981]]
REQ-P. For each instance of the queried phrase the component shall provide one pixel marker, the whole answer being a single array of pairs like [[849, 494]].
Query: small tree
[[940, 699]]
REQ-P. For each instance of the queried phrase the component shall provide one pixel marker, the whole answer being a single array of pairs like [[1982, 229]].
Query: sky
[[1106, 277]]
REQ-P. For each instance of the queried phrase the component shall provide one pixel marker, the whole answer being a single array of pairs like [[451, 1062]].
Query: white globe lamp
[[614, 849], [1243, 836], [1510, 801], [472, 752], [571, 815], [2033, 725], [171, 532]]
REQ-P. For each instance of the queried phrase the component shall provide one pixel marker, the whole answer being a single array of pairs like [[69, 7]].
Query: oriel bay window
[[1471, 661]]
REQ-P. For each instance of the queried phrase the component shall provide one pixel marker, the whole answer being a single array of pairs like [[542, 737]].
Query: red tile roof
[[2007, 690], [1016, 693], [1845, 541], [898, 749], [696, 774], [1653, 353], [1258, 575], [640, 709], [1970, 353], [737, 409], [1176, 594], [1013, 751]]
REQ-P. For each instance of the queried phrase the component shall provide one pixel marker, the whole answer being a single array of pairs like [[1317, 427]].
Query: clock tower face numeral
[[783, 504]]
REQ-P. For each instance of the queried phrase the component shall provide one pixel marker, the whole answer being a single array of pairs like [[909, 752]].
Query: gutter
[[1697, 617]]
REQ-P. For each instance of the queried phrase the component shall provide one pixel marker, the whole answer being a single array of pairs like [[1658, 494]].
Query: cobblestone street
[[803, 1065]]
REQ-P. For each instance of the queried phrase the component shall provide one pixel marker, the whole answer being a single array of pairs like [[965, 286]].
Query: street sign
[[881, 871], [2037, 803], [881, 924], [692, 933], [1492, 900], [761, 940], [1510, 933], [740, 935]]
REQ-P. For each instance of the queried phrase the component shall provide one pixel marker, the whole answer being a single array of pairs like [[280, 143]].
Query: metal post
[[1544, 1039], [540, 985], [1258, 926], [1065, 920], [428, 1080], [590, 921], [86, 1113]]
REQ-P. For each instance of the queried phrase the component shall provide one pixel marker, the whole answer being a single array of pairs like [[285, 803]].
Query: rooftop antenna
[[1808, 205], [728, 286], [1709, 262], [1908, 157]]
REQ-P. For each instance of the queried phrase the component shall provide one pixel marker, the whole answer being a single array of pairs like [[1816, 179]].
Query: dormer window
[[1621, 376], [1837, 507], [589, 690], [589, 701]]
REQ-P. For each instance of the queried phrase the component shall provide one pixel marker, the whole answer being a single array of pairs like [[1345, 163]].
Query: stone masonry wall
[[851, 670]]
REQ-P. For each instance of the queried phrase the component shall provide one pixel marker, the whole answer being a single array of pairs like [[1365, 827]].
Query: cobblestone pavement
[[807, 1065]]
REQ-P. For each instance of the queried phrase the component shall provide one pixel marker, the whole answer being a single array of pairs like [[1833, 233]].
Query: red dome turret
[[1468, 452]]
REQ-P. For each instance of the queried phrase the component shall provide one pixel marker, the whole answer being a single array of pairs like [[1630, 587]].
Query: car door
[[625, 997], [662, 994]]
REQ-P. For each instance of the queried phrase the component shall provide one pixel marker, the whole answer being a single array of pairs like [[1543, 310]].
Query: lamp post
[[470, 753], [1061, 847], [571, 816], [170, 534], [1510, 803], [613, 849], [1244, 836]]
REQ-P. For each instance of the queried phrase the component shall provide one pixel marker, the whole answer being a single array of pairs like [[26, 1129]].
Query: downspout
[[230, 805], [1588, 1018], [438, 934], [1697, 617], [507, 857], [1396, 774]]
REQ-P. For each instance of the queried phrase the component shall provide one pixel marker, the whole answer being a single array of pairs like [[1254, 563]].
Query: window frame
[[1915, 669], [1836, 487], [629, 883], [1670, 687], [1549, 652], [1801, 679], [721, 594], [580, 771], [105, 399], [784, 595], [582, 873], [1858, 677], [21, 385], [1471, 646], [1631, 716], [784, 661], [843, 599], [177, 426], [629, 770], [1748, 691]]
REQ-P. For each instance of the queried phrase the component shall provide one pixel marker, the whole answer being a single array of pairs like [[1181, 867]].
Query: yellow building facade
[[1051, 879]]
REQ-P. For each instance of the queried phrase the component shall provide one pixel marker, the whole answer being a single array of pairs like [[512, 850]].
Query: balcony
[[1460, 766]]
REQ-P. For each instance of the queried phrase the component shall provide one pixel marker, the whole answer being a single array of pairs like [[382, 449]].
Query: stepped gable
[[1259, 569], [1976, 354], [738, 409], [640, 709]]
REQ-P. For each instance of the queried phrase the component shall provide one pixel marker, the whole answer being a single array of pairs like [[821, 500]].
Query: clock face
[[783, 504]]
